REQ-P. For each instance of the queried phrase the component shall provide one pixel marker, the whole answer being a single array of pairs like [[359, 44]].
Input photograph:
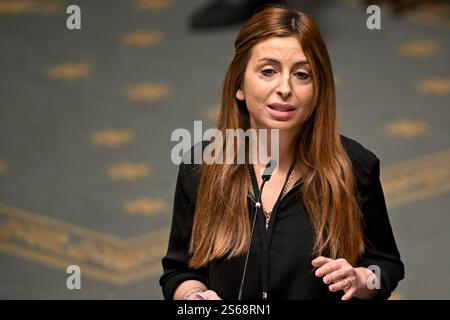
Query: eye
[[268, 72], [302, 75]]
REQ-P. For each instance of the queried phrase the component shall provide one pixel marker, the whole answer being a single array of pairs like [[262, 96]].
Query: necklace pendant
[[267, 222]]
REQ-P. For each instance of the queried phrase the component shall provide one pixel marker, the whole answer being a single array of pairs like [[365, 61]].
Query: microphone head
[[268, 170]]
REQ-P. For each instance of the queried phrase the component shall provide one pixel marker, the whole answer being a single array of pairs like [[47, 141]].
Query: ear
[[240, 95]]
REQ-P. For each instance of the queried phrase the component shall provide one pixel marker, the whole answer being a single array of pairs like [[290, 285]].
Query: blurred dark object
[[220, 13], [400, 6]]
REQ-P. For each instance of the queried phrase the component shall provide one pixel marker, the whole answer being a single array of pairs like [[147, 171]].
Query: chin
[[285, 125]]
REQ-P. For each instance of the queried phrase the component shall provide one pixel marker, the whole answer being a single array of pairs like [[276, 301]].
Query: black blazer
[[280, 259]]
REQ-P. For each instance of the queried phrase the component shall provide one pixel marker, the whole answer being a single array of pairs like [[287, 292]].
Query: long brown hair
[[221, 225]]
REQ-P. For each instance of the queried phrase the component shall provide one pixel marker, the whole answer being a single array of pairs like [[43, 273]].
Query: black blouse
[[280, 256]]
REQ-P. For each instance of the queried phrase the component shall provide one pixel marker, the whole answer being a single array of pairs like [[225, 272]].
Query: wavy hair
[[221, 226]]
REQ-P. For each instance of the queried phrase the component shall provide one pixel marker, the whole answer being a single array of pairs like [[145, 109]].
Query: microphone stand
[[265, 177]]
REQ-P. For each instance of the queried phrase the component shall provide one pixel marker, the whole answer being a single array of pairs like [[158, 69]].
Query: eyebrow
[[274, 61]]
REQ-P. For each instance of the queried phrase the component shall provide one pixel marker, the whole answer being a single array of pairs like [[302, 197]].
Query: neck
[[285, 150]]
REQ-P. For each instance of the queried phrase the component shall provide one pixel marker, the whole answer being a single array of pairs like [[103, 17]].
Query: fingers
[[320, 261], [328, 267], [335, 276], [341, 285], [208, 295], [339, 274], [349, 294]]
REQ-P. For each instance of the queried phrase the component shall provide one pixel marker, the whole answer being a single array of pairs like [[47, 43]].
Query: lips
[[281, 107], [280, 111]]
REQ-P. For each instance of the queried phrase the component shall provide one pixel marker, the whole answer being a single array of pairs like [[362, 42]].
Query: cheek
[[305, 95], [256, 94], [304, 98]]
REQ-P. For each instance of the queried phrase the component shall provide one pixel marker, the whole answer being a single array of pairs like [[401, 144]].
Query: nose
[[284, 89]]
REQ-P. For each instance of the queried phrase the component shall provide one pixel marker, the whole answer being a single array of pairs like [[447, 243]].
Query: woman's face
[[277, 86]]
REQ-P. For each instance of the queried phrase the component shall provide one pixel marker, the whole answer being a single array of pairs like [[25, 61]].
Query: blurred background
[[86, 115]]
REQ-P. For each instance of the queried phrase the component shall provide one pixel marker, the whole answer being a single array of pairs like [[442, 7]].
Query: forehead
[[278, 48]]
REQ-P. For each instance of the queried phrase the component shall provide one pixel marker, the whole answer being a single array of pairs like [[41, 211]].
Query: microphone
[[267, 173], [268, 170]]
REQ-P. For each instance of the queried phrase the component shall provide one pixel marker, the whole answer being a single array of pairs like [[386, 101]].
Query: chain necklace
[[286, 188], [284, 191]]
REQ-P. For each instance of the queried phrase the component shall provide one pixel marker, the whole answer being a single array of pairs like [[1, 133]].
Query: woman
[[324, 221]]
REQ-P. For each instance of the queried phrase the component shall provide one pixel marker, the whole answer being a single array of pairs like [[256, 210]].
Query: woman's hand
[[339, 274], [207, 295]]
